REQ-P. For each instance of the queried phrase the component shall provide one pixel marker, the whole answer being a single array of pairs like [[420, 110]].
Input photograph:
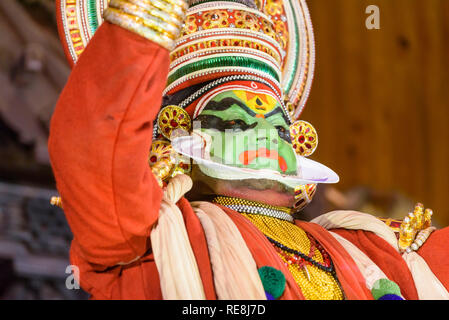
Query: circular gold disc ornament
[[304, 138], [172, 118]]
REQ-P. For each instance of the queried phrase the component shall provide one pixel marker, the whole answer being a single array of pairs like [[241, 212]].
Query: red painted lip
[[246, 157]]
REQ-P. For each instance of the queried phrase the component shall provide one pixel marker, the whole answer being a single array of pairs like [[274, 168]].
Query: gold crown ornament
[[415, 229]]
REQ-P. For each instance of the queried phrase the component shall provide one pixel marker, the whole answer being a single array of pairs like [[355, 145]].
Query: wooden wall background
[[380, 97]]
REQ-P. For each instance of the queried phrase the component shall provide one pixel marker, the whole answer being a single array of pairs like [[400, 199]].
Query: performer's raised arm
[[101, 134]]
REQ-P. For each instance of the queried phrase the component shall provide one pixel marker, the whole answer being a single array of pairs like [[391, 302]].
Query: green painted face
[[248, 129]]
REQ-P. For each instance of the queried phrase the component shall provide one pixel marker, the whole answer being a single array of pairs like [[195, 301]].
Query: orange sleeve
[[100, 136]]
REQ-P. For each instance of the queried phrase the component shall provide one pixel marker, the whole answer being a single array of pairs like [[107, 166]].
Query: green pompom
[[384, 286], [273, 281]]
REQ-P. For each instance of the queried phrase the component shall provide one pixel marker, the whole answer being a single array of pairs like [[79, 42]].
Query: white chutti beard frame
[[308, 171]]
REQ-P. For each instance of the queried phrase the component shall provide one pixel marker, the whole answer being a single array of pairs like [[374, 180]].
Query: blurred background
[[379, 101]]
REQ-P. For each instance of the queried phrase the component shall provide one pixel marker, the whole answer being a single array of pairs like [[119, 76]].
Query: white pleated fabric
[[354, 220], [234, 269], [178, 271]]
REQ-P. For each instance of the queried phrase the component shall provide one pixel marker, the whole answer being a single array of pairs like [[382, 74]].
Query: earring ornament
[[304, 138]]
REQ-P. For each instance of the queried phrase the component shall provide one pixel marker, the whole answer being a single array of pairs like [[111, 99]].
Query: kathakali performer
[[182, 164]]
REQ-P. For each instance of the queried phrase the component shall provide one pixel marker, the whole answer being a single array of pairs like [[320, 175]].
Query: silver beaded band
[[243, 208]]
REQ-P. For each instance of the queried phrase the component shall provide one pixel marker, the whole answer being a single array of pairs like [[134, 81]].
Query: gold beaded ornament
[[415, 229]]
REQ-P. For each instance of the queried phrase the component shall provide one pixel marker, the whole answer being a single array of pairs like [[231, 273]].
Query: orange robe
[[99, 140]]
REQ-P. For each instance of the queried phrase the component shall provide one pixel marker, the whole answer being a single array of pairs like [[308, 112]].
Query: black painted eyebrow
[[213, 122], [225, 104]]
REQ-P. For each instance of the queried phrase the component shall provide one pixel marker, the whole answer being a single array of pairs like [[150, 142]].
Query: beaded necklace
[[313, 272], [252, 207], [327, 264]]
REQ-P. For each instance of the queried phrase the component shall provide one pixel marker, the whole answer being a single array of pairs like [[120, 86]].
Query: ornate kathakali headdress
[[272, 39], [264, 46]]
